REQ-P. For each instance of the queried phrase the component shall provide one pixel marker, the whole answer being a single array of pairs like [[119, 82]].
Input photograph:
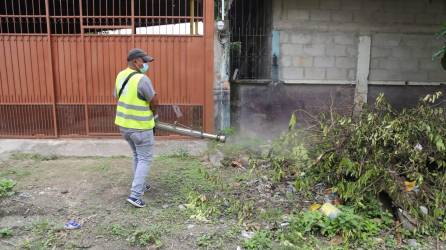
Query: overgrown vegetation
[[400, 153]]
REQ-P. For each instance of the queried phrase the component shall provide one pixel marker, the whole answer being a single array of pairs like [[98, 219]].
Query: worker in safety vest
[[136, 118]]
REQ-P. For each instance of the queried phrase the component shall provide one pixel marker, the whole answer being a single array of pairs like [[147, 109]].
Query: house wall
[[319, 38], [318, 60]]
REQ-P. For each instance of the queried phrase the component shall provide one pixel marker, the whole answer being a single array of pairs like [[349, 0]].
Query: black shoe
[[136, 202], [147, 188]]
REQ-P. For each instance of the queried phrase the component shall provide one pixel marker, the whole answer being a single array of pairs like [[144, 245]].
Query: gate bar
[[87, 119], [53, 88]]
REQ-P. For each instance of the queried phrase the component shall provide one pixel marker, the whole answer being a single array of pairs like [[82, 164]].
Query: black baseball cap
[[139, 53]]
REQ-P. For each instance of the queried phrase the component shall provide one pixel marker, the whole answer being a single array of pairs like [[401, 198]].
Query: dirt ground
[[50, 191]]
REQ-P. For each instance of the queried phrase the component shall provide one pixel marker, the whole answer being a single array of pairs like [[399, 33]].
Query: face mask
[[145, 68]]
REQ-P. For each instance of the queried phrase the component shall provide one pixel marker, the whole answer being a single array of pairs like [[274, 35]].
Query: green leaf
[[443, 61], [293, 121]]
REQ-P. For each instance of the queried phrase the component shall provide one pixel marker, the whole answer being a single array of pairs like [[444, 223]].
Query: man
[[136, 118]]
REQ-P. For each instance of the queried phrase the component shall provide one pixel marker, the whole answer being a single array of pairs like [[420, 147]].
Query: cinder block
[[284, 37], [314, 73], [307, 4], [426, 19], [292, 73], [394, 6], [314, 49], [385, 75], [380, 52], [352, 74], [286, 61], [296, 14], [291, 49], [423, 53], [351, 4], [420, 76], [352, 50], [323, 38], [428, 64], [375, 63], [394, 64], [320, 15], [337, 74], [345, 62], [371, 6], [436, 6], [363, 17], [437, 76], [345, 39], [416, 41], [301, 38], [386, 40], [330, 4], [415, 6], [401, 52], [324, 61], [303, 61], [336, 50], [342, 16]]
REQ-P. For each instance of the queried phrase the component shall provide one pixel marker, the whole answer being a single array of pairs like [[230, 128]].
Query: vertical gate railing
[[58, 60]]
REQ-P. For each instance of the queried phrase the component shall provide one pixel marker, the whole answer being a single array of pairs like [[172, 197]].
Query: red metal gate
[[59, 59]]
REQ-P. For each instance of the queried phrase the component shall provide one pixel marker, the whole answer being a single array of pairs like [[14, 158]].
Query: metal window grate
[[102, 17], [250, 27]]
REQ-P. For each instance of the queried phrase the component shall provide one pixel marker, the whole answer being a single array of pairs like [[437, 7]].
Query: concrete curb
[[94, 147]]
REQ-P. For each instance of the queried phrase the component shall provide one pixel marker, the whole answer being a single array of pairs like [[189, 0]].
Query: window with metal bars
[[250, 28], [97, 17], [23, 16]]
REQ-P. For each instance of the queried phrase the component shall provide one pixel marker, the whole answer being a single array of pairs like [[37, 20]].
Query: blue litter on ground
[[72, 224]]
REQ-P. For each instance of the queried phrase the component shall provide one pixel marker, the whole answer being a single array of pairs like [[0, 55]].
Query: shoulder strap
[[125, 83]]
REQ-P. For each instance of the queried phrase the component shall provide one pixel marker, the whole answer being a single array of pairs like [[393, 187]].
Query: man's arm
[[147, 92]]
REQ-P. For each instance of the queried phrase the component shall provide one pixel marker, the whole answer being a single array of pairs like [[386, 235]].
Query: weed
[[45, 235], [145, 237], [5, 232], [261, 240], [201, 207], [243, 209], [118, 230], [210, 241], [181, 153], [353, 228], [6, 186], [271, 214]]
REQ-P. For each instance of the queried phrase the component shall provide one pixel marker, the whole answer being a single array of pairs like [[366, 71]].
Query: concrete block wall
[[318, 56], [402, 57], [319, 38]]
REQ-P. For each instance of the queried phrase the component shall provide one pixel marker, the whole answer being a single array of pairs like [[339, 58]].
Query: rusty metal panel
[[59, 60], [26, 120], [23, 66]]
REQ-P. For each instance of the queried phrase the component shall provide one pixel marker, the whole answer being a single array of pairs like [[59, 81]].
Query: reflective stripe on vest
[[132, 112]]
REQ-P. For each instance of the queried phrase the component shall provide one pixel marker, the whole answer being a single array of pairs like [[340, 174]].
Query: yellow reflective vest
[[132, 112]]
